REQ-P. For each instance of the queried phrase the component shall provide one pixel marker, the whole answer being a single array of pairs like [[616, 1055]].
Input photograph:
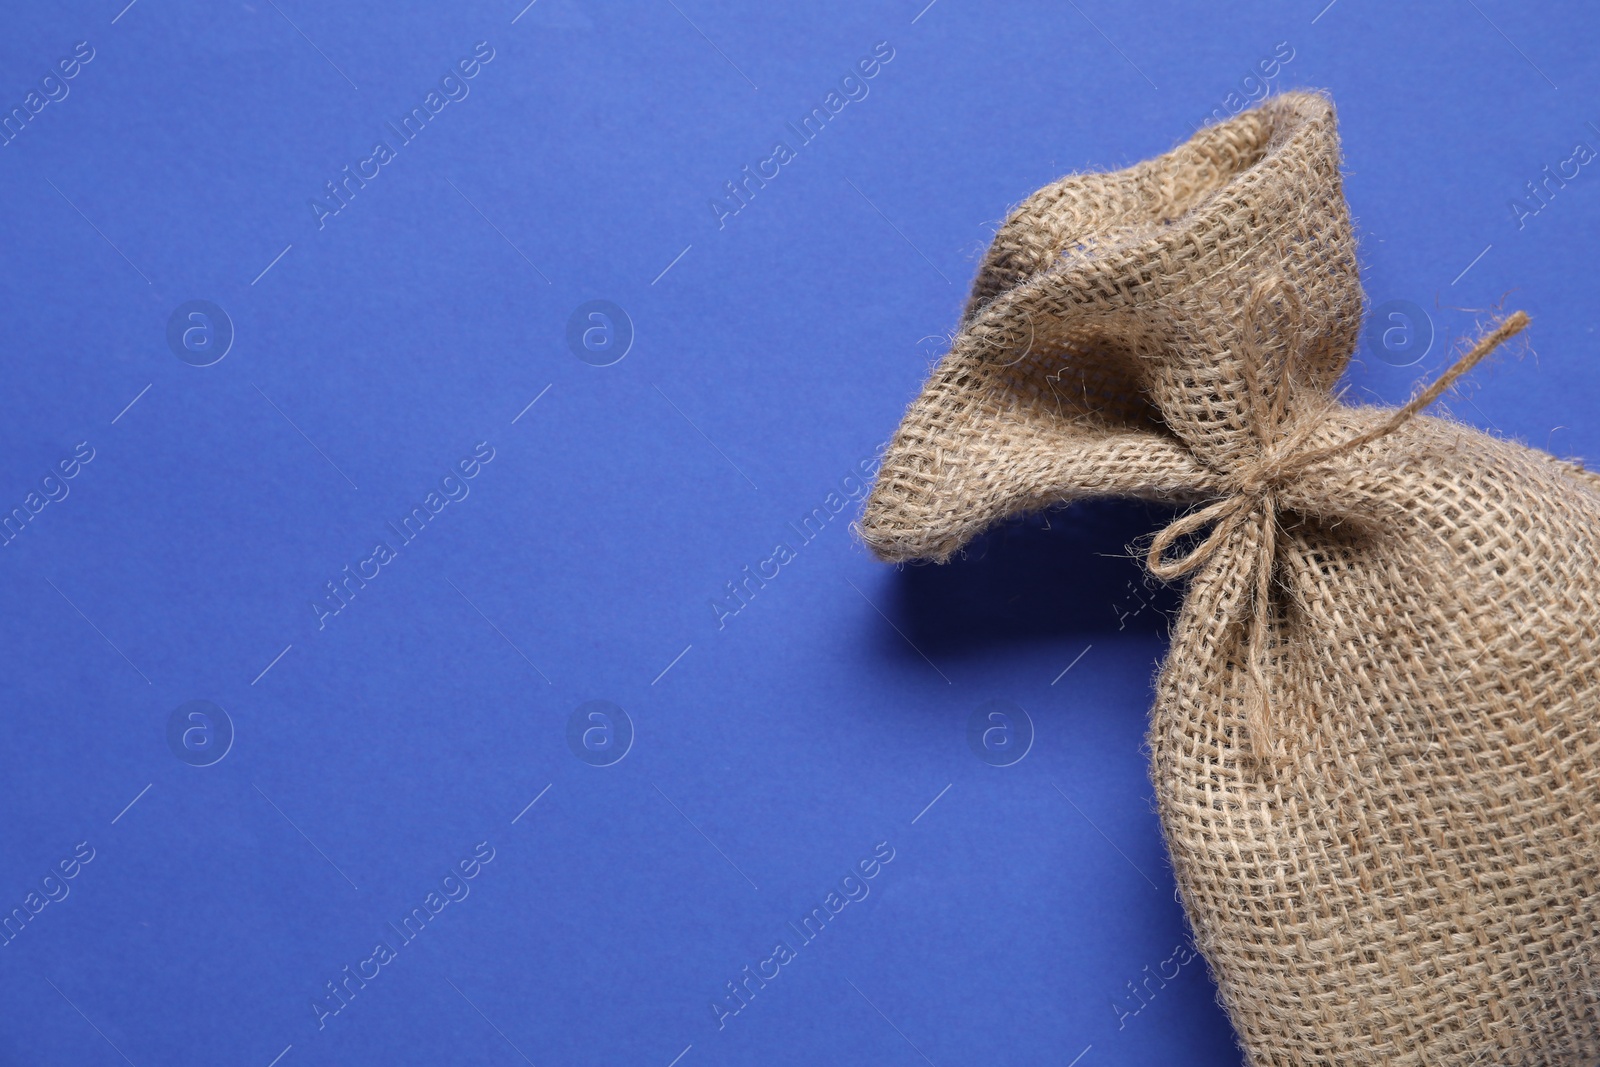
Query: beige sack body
[[1376, 739]]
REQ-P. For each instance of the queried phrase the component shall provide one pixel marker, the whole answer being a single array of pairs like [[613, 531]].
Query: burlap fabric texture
[[1376, 739]]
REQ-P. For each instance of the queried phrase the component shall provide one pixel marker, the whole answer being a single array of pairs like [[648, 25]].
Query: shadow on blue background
[[1075, 572]]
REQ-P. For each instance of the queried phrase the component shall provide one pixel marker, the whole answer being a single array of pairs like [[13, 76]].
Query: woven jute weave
[[1376, 738]]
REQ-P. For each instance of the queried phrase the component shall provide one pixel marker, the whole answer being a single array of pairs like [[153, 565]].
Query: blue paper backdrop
[[410, 750]]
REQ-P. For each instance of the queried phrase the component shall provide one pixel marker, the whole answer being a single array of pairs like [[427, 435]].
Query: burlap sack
[[1375, 742]]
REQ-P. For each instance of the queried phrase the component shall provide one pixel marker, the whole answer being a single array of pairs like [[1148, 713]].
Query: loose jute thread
[[1253, 491]]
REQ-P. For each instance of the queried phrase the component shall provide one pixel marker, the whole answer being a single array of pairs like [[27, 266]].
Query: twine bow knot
[[1252, 495]]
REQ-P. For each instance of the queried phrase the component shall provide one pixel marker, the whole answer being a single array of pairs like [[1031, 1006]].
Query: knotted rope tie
[[1254, 491]]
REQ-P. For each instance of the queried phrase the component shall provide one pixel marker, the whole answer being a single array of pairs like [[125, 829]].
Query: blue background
[[770, 357]]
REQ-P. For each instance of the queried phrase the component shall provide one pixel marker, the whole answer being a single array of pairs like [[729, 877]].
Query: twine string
[[1253, 495]]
